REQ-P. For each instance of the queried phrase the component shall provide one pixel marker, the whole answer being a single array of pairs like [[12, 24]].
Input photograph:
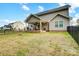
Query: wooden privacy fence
[[74, 32]]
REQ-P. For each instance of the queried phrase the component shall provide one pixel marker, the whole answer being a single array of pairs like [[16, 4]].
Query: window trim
[[61, 24], [58, 24]]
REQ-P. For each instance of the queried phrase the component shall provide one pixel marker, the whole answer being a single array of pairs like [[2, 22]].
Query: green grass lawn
[[35, 44]]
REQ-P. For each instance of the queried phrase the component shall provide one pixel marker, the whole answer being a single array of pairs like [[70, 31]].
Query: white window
[[56, 24], [59, 24]]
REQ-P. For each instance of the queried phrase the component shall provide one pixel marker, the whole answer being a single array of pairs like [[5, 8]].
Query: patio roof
[[36, 17]]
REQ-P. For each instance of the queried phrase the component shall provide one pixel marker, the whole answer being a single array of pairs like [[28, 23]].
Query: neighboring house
[[6, 27], [51, 20], [18, 26]]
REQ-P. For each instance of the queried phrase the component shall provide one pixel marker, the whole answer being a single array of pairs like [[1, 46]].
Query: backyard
[[38, 44]]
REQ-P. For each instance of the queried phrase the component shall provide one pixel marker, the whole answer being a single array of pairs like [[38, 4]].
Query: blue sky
[[10, 12]]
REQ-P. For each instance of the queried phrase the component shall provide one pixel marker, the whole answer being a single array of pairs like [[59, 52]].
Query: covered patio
[[40, 26], [37, 23]]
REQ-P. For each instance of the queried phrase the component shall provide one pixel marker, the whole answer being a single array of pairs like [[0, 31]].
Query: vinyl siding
[[58, 18], [52, 15], [33, 20]]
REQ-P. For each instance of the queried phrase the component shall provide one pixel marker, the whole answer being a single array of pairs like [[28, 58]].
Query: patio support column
[[40, 26]]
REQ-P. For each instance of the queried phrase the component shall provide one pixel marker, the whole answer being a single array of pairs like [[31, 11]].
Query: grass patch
[[22, 52], [38, 44]]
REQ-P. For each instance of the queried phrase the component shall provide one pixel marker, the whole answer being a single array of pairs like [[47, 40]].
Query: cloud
[[6, 21], [27, 14], [62, 4], [72, 8], [25, 7], [73, 22], [40, 8], [74, 19], [73, 11]]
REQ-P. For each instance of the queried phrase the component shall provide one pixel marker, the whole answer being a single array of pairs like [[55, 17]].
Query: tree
[[78, 22]]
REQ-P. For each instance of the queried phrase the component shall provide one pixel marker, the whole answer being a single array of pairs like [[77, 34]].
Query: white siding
[[18, 26], [58, 18]]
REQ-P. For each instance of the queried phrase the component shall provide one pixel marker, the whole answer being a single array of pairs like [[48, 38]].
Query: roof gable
[[61, 16], [33, 16]]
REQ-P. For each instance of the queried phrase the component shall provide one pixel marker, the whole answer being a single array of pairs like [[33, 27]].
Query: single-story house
[[6, 27], [51, 20], [18, 26], [15, 26]]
